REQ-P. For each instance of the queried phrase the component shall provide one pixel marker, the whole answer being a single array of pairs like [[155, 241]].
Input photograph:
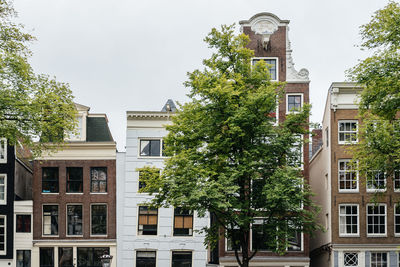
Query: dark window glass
[[46, 257], [145, 259], [183, 222], [50, 180], [271, 65], [150, 148], [3, 233], [147, 221], [74, 180], [74, 219], [90, 257], [23, 258], [65, 257], [294, 241], [181, 259], [263, 235], [23, 223], [98, 179], [50, 220], [294, 102], [233, 240], [99, 219]]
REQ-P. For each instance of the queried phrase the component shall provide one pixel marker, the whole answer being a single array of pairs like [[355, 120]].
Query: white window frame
[[358, 221], [381, 252], [3, 146], [4, 252], [394, 220], [147, 250], [379, 234], [347, 142], [4, 201], [347, 161], [58, 214], [264, 58], [287, 102], [351, 252], [66, 219], [394, 180], [182, 250], [373, 190], [140, 139], [94, 204]]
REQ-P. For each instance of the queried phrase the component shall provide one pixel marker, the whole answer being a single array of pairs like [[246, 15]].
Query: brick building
[[74, 201], [358, 232]]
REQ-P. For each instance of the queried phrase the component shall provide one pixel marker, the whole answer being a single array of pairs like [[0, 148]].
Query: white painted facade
[[22, 241], [149, 125]]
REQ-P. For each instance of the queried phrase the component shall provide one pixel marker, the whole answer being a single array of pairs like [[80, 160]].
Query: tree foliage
[[229, 157], [34, 109], [379, 74]]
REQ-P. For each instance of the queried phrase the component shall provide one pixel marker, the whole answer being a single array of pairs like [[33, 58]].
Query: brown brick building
[[74, 210], [269, 40], [358, 232]]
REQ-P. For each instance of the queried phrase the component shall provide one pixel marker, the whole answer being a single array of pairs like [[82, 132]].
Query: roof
[[97, 130]]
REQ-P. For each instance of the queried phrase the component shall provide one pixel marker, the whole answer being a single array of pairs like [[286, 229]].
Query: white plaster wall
[[128, 200], [22, 241]]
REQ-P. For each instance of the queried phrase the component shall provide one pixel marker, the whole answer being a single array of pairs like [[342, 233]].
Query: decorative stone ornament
[[265, 28]]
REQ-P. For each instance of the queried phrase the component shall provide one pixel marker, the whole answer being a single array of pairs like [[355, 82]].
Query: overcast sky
[[120, 55]]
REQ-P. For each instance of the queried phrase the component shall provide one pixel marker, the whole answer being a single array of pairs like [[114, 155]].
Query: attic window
[[271, 64]]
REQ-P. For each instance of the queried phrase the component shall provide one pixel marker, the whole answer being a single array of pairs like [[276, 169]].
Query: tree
[[228, 157], [379, 74], [34, 109]]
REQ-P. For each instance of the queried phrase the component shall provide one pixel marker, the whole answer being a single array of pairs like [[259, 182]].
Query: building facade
[[74, 201], [269, 40], [359, 232], [152, 237]]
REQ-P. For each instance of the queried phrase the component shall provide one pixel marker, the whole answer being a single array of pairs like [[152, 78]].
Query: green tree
[[379, 74], [34, 109], [230, 158]]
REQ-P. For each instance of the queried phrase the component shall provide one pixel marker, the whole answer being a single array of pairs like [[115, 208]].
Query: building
[[270, 42], [15, 187], [74, 201], [358, 232], [152, 237]]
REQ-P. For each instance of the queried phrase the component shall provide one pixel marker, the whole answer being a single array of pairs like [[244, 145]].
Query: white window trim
[[4, 202], [66, 219], [386, 222], [5, 150], [158, 223], [4, 252], [394, 188], [103, 235], [394, 220], [173, 225], [358, 221], [181, 250], [147, 250], [347, 142], [15, 219], [387, 257], [151, 138], [277, 65], [352, 252], [374, 190], [287, 102], [58, 214], [338, 173]]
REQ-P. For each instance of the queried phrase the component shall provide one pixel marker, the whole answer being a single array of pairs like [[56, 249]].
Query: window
[[181, 259], [77, 134], [145, 259], [376, 219], [183, 222], [294, 102], [151, 147], [50, 180], [74, 219], [145, 174], [99, 219], [233, 239], [396, 179], [379, 259], [3, 150], [74, 180], [295, 241], [23, 223], [397, 219], [23, 258], [65, 257], [348, 220], [271, 65], [90, 257], [46, 257], [376, 181], [295, 158], [348, 177], [3, 189], [350, 259], [50, 219], [147, 221], [98, 180], [3, 236], [263, 235], [347, 132], [327, 136]]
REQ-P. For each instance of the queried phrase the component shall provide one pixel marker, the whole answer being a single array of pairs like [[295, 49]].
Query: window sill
[[67, 193], [375, 190], [73, 235], [347, 143], [348, 191], [349, 235], [91, 235], [44, 236], [98, 193], [50, 193], [376, 235], [151, 157]]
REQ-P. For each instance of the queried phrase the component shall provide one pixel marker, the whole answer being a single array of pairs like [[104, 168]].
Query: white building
[[146, 237]]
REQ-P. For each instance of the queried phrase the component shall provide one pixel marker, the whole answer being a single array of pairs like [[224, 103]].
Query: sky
[[133, 55]]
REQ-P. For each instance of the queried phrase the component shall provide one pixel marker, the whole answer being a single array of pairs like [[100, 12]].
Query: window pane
[[181, 259], [50, 180], [90, 257], [98, 178], [145, 259], [65, 257], [46, 257], [23, 258], [23, 223], [74, 180], [99, 219], [74, 218], [50, 220]]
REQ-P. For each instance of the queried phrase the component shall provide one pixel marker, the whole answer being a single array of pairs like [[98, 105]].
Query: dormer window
[[3, 150], [77, 135], [271, 65]]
